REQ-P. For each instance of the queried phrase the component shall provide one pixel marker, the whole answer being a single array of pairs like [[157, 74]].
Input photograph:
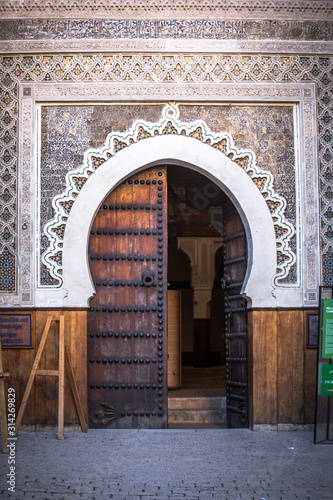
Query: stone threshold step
[[197, 403], [197, 416]]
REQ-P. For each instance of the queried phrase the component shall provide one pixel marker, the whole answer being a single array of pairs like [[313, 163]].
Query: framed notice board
[[15, 331], [323, 431]]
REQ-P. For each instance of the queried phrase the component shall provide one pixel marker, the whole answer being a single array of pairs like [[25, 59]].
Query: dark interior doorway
[[207, 259], [192, 200]]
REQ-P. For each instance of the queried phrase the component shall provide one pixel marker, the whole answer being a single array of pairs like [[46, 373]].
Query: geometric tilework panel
[[64, 138], [7, 271], [159, 68]]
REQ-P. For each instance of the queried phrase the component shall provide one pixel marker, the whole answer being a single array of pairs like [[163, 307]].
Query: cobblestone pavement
[[171, 464]]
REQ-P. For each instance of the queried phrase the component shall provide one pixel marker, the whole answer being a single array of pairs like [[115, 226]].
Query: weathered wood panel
[[282, 369], [76, 342], [290, 367], [47, 387], [127, 316], [43, 404], [263, 367], [310, 368]]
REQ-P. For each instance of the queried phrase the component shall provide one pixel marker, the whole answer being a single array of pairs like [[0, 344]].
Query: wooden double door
[[127, 322]]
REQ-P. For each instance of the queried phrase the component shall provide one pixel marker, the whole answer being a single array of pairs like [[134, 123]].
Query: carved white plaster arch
[[190, 153]]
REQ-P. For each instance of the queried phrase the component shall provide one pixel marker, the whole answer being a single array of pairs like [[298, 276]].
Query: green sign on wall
[[328, 329], [326, 380]]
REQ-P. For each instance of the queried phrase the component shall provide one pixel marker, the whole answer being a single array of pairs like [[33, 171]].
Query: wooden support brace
[[52, 373], [75, 392], [63, 360], [32, 374]]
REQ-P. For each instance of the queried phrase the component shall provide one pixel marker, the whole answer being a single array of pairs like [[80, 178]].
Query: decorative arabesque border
[[170, 9], [143, 130]]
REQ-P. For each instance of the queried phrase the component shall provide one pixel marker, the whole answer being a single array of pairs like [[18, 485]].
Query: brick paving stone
[[170, 464]]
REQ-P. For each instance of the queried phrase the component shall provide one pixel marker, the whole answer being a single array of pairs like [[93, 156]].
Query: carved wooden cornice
[[169, 9]]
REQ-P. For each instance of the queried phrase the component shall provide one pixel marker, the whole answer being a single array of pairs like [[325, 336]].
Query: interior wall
[[179, 278], [217, 323]]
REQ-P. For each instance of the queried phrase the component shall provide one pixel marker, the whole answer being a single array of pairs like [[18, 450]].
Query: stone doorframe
[[174, 149]]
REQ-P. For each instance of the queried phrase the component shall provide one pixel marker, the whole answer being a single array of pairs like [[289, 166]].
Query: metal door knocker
[[225, 281], [148, 278]]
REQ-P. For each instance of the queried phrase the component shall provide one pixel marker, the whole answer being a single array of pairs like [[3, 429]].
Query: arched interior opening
[[246, 225], [196, 266], [162, 263], [190, 153]]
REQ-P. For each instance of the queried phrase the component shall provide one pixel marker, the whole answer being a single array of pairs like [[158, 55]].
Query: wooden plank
[[42, 405], [72, 343], [32, 374], [61, 378], [310, 368], [174, 338], [3, 408], [293, 381], [51, 361], [264, 367], [290, 367], [52, 373], [75, 393], [78, 355], [3, 416], [251, 367], [285, 366], [46, 388], [298, 409]]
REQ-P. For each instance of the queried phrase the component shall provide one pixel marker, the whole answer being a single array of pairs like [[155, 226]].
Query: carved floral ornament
[[143, 130], [252, 9]]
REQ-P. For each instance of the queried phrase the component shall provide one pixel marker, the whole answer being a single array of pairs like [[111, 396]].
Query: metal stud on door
[[127, 318]]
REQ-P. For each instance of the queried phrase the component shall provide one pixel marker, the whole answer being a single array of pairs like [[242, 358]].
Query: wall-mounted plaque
[[15, 330], [313, 330]]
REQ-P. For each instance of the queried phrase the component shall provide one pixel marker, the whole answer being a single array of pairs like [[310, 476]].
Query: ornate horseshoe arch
[[183, 151], [170, 141]]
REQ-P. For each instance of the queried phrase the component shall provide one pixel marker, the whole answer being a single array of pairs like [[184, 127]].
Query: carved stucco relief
[[169, 9], [169, 124]]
